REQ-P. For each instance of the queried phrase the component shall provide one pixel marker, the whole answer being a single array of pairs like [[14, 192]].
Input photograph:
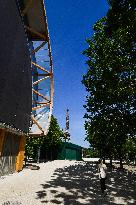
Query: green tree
[[55, 134], [130, 149], [52, 139], [32, 146], [110, 83], [90, 152]]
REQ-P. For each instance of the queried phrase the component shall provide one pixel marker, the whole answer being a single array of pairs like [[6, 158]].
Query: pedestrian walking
[[102, 175]]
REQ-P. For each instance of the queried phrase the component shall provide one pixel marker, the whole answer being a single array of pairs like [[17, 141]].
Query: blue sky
[[70, 23]]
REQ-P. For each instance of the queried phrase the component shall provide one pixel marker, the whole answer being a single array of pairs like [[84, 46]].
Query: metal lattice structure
[[35, 23]]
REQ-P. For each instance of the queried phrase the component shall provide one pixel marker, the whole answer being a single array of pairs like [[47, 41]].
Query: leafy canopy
[[111, 79]]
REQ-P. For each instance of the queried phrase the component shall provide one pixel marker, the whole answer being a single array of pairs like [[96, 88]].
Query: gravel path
[[68, 183]]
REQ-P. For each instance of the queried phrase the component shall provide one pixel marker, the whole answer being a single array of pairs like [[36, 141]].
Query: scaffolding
[[36, 27]]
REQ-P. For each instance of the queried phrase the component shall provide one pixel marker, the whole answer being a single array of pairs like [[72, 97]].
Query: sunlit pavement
[[69, 183]]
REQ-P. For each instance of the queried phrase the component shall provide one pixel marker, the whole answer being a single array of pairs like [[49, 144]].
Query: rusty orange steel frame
[[46, 73]]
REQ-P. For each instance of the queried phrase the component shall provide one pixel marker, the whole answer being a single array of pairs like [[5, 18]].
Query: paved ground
[[68, 183]]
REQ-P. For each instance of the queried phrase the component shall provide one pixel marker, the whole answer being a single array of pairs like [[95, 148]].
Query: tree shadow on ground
[[31, 166], [79, 184]]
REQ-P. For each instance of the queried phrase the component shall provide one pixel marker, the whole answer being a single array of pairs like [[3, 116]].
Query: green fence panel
[[69, 151]]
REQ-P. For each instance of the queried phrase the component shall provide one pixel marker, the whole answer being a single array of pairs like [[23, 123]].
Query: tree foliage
[[111, 79], [90, 153], [54, 137]]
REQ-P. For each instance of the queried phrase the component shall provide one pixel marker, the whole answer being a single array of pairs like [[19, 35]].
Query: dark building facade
[[24, 32]]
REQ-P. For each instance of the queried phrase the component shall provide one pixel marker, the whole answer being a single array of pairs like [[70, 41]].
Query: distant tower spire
[[67, 133], [67, 119]]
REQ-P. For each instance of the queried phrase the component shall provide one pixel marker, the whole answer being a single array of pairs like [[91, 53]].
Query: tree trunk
[[110, 161], [135, 160], [46, 159], [51, 153], [121, 163]]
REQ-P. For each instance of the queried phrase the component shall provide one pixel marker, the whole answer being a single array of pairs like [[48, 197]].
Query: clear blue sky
[[70, 23]]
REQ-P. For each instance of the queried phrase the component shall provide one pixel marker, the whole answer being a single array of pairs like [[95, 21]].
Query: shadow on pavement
[[31, 166], [79, 184]]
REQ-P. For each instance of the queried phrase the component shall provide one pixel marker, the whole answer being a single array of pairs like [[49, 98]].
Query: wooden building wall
[[21, 154], [12, 148]]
